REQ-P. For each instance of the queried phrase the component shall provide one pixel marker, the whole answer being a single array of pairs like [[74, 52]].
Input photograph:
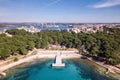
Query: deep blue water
[[42, 70], [61, 27], [9, 27]]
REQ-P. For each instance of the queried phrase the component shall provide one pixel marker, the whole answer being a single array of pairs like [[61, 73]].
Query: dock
[[58, 61]]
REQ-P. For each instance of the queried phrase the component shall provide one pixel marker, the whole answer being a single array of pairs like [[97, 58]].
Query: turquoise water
[[42, 70]]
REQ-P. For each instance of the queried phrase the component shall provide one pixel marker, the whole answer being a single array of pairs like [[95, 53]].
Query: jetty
[[58, 61]]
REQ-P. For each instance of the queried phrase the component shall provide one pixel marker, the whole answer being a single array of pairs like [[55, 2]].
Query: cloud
[[108, 3], [52, 3]]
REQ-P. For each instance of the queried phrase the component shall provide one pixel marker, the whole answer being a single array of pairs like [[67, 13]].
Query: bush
[[16, 59], [23, 51]]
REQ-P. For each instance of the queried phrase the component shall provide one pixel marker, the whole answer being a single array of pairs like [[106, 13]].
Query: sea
[[60, 27], [42, 70]]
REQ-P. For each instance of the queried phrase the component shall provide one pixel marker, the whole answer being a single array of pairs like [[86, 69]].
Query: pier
[[58, 61]]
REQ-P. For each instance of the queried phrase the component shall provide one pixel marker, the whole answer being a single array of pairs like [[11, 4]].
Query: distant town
[[70, 27]]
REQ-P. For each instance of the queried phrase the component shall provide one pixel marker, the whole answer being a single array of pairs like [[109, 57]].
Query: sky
[[80, 11]]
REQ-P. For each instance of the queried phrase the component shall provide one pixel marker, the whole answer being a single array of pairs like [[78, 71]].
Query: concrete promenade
[[65, 54], [58, 61]]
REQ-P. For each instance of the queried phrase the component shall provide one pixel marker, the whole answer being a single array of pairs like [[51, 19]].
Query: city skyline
[[83, 11]]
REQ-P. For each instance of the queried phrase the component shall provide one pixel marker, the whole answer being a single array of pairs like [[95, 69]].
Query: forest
[[105, 45]]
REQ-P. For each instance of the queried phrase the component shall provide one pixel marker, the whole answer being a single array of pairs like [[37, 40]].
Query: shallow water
[[42, 70]]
